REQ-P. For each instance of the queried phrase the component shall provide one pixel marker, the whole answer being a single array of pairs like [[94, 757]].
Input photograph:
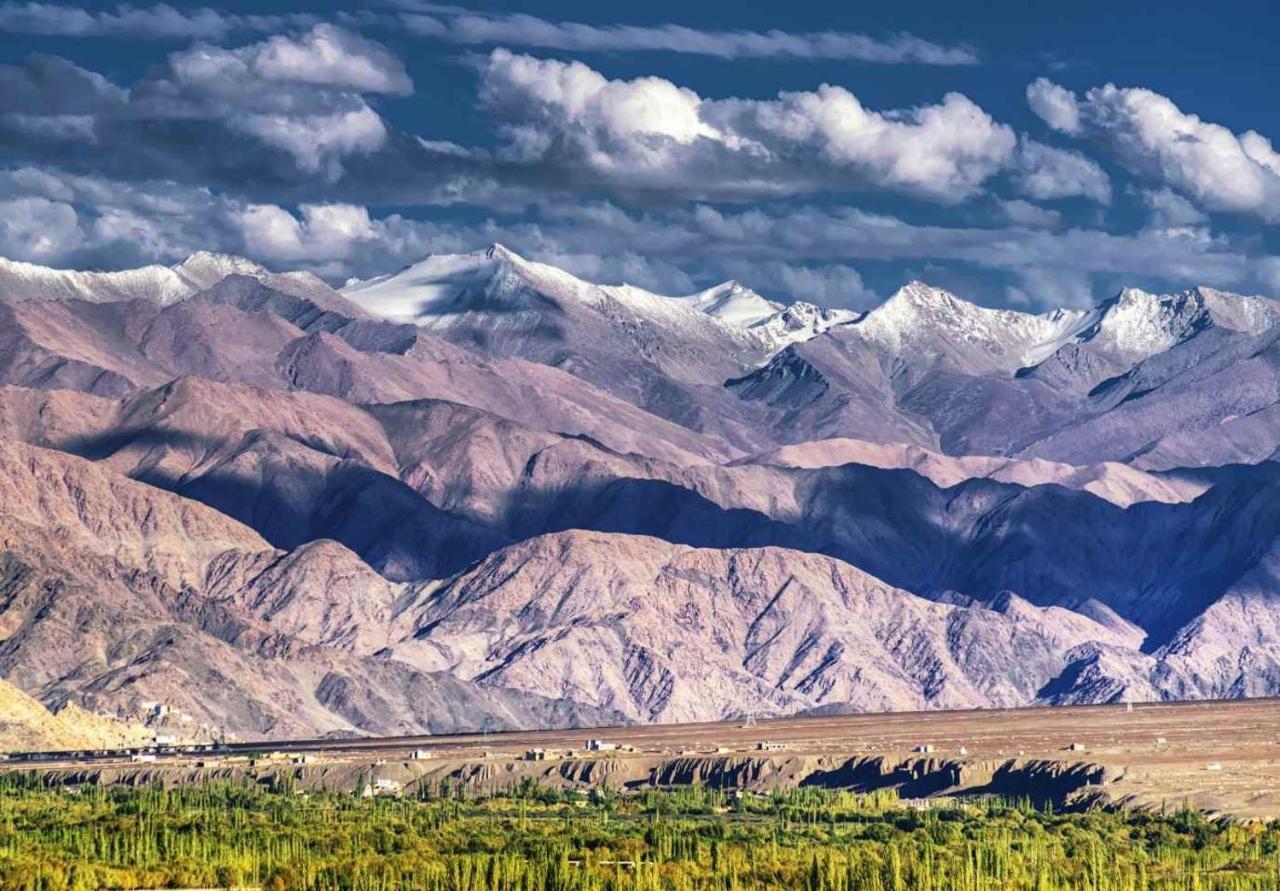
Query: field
[[248, 835], [1176, 795]]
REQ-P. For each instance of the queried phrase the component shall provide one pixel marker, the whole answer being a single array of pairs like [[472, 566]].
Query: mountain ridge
[[713, 499]]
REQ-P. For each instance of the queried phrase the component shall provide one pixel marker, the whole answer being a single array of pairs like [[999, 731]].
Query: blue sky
[[814, 153]]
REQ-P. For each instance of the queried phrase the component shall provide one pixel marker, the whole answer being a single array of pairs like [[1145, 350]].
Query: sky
[[812, 151]]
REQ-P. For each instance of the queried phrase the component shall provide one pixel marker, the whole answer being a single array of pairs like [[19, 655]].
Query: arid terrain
[[283, 511], [1220, 757]]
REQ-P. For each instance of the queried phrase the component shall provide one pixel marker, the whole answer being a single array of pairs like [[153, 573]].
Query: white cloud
[[325, 56], [1051, 267], [1024, 213], [945, 151], [519, 29], [648, 133], [1217, 169], [826, 284], [1044, 173], [327, 232], [328, 56], [161, 21], [37, 229], [1170, 210], [147, 234], [1056, 106], [302, 95], [1055, 287], [1260, 150], [317, 141], [165, 22], [570, 94], [815, 253]]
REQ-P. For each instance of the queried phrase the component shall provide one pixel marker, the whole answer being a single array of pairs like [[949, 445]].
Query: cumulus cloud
[[1040, 287], [649, 134], [329, 56], [37, 229], [1055, 105], [303, 96], [1149, 134], [526, 30], [1044, 173], [1170, 210], [294, 118], [804, 252], [317, 141], [326, 232]]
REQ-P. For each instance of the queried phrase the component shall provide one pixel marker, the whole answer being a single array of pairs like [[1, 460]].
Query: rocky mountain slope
[[666, 632], [116, 593], [26, 725], [483, 491]]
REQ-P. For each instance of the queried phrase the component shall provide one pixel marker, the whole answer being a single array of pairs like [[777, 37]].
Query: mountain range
[[483, 492]]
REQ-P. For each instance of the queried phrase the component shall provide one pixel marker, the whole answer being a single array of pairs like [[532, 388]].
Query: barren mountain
[[115, 593], [664, 632], [481, 489], [1118, 483]]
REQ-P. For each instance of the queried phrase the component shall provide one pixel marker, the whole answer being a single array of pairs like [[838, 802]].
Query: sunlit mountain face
[[482, 488]]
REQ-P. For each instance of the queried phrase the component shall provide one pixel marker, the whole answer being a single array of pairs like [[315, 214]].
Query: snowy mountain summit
[[161, 284], [444, 291]]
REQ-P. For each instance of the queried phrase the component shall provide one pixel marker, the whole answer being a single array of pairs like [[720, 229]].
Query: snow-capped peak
[[161, 284], [444, 290], [734, 303], [1138, 323], [802, 321], [1135, 324], [424, 288], [204, 269], [927, 322], [777, 324]]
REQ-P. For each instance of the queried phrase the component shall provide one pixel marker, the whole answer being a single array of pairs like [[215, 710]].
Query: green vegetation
[[225, 835]]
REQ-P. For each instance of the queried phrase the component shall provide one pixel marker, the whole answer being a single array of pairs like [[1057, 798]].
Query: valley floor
[[1220, 758]]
